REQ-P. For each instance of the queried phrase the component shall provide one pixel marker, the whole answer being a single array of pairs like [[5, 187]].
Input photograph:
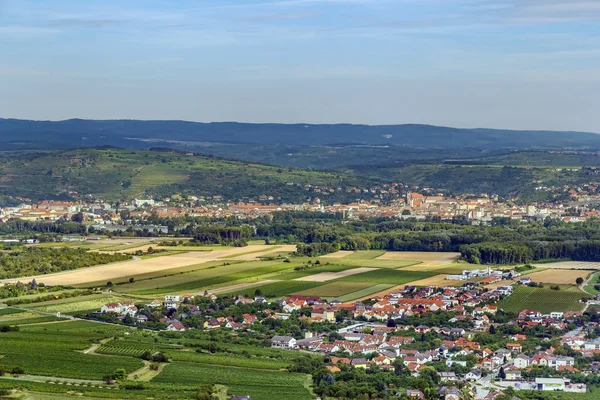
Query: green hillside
[[113, 174]]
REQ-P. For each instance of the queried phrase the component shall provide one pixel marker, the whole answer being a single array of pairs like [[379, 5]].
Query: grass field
[[544, 299]]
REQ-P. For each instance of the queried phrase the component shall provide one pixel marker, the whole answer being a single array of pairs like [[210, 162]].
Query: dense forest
[[40, 261]]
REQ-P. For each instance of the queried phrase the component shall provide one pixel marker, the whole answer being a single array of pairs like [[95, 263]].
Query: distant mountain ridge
[[15, 133]]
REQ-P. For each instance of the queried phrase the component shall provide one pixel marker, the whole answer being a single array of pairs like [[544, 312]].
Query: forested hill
[[141, 134]]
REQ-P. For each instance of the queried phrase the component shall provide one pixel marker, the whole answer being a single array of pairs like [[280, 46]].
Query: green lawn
[[544, 299]]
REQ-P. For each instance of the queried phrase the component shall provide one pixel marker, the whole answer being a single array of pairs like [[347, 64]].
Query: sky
[[515, 64]]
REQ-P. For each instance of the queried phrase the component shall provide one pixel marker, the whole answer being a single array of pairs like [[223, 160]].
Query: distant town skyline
[[512, 64]]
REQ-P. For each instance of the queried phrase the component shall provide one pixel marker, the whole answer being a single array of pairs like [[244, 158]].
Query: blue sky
[[531, 64]]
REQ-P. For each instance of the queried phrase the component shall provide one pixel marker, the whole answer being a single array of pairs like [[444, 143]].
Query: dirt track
[[131, 268]]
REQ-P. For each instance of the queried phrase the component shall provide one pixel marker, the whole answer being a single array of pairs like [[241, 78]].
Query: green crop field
[[365, 292], [227, 360], [259, 384], [206, 277], [544, 299], [313, 271], [216, 277], [335, 289], [277, 289], [55, 350], [9, 311], [388, 276]]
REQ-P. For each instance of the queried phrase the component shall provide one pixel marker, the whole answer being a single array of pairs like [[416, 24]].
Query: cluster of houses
[[415, 301], [364, 335]]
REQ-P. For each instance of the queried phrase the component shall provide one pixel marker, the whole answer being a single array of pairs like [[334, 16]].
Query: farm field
[[439, 258], [558, 276], [313, 271], [276, 289], [364, 254], [338, 254], [569, 265], [544, 299], [204, 279], [375, 263], [355, 275], [61, 345], [366, 292], [133, 268], [239, 381], [395, 277], [437, 280], [336, 289], [73, 304], [329, 276]]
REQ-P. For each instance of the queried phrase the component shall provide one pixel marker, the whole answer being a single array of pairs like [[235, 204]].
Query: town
[[475, 349], [388, 200]]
